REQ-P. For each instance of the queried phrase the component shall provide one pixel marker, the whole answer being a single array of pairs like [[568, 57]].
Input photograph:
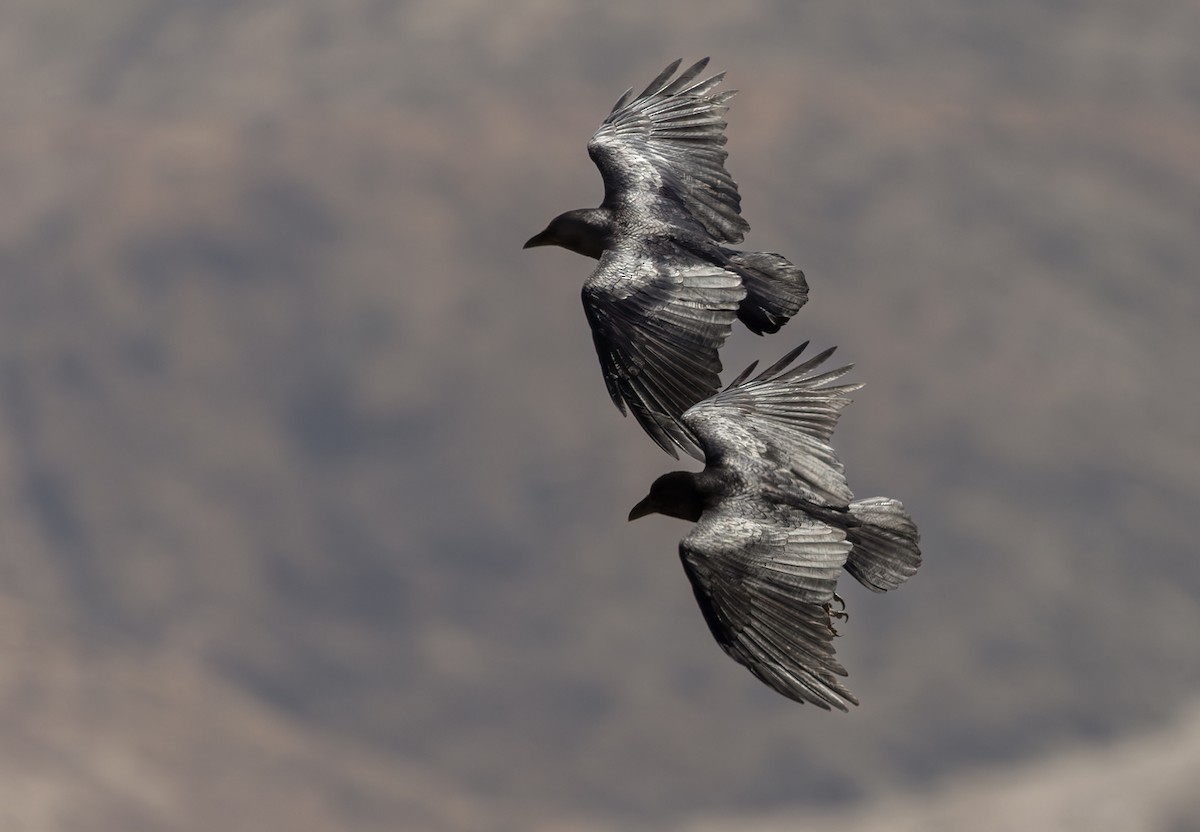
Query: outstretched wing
[[776, 428], [764, 591], [658, 323], [665, 150]]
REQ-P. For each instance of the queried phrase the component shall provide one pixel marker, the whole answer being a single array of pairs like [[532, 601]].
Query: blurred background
[[312, 501]]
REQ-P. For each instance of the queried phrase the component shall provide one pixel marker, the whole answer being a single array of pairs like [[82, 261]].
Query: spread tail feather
[[886, 551], [775, 289]]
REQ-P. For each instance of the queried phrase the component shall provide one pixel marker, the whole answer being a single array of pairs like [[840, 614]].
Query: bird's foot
[[839, 614]]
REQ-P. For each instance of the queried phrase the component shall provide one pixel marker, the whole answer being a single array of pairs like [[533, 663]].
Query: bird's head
[[675, 494], [585, 231]]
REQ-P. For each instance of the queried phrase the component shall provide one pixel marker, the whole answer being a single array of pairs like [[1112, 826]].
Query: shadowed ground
[[311, 494]]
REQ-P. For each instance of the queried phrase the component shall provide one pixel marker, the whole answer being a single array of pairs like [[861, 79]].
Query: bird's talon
[[839, 614]]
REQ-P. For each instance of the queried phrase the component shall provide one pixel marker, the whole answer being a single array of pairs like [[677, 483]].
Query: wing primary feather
[[812, 363], [779, 365], [654, 86], [678, 85], [623, 100], [742, 375]]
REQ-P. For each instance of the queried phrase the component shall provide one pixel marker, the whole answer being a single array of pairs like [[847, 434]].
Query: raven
[[776, 523], [664, 295]]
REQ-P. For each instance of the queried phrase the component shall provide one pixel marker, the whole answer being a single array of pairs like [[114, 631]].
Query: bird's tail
[[775, 289], [886, 551]]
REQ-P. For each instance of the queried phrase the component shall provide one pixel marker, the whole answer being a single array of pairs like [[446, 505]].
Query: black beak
[[641, 509], [536, 240]]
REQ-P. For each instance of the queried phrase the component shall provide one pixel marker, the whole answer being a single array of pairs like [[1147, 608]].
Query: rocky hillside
[[311, 493]]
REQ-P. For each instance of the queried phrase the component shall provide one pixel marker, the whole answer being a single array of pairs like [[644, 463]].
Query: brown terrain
[[312, 501]]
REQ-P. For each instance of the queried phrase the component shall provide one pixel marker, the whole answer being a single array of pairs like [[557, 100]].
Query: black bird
[[776, 523], [663, 298]]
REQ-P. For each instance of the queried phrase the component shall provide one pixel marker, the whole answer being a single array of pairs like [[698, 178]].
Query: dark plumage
[[776, 523], [664, 296]]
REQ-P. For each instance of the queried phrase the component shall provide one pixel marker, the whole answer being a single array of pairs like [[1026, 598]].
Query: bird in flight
[[776, 523], [663, 298]]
